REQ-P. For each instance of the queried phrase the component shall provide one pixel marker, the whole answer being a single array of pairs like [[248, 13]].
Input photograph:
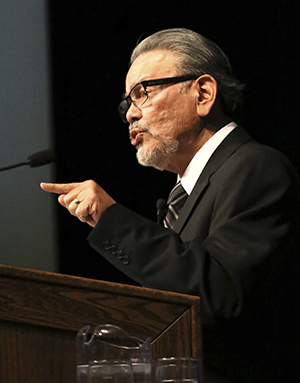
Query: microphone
[[161, 209], [41, 158]]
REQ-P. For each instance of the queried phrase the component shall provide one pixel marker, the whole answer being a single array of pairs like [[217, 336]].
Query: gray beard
[[158, 157]]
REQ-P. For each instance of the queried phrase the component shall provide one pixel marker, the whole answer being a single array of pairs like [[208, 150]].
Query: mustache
[[135, 125]]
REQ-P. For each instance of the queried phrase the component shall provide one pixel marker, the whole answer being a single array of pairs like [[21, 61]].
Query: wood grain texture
[[34, 354]]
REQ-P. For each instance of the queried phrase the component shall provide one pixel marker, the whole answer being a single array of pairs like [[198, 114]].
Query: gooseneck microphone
[[161, 209], [41, 158]]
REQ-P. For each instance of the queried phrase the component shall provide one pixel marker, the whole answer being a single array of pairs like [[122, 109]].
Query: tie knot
[[177, 194]]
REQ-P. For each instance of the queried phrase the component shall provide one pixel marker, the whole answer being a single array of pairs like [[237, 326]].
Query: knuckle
[[91, 184]]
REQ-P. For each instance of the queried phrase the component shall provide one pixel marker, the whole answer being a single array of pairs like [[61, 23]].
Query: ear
[[207, 89]]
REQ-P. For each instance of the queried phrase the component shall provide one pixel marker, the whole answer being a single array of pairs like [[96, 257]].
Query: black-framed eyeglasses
[[139, 95]]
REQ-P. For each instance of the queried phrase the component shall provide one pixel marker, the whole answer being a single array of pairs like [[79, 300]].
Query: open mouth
[[136, 135]]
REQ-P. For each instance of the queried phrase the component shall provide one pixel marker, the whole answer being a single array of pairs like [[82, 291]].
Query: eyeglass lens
[[138, 95]]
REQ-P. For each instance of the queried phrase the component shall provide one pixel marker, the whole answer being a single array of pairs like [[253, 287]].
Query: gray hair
[[197, 55]]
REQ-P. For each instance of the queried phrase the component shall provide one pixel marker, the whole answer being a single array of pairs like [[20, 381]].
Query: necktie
[[175, 202]]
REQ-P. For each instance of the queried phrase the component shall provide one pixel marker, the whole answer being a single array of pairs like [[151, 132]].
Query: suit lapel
[[228, 146]]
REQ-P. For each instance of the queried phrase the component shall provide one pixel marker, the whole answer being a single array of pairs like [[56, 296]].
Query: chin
[[149, 159], [158, 157]]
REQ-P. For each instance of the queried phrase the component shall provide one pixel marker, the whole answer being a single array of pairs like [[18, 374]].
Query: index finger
[[58, 188]]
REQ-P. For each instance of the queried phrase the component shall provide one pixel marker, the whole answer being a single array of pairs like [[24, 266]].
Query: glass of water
[[110, 371], [179, 370], [82, 373]]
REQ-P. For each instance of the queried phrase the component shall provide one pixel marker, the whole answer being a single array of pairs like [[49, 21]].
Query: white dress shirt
[[200, 159]]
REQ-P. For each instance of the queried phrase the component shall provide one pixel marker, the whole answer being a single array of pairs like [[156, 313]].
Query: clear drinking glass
[[110, 371], [82, 373], [179, 370]]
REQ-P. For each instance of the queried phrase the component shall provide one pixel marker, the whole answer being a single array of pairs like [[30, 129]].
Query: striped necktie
[[175, 202]]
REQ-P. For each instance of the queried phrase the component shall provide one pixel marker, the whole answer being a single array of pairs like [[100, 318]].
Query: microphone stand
[[15, 165]]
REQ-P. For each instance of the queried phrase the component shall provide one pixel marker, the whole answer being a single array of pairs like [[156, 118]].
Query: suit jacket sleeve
[[234, 243]]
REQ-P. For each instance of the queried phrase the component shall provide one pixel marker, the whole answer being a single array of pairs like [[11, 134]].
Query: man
[[234, 241]]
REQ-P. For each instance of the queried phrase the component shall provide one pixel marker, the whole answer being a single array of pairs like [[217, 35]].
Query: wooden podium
[[41, 312]]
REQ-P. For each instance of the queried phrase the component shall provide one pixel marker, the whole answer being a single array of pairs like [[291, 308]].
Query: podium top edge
[[96, 285]]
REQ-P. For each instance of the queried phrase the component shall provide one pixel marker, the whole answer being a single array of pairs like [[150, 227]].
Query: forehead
[[151, 65]]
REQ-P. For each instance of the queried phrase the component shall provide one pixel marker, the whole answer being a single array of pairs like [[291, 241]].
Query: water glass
[[110, 371], [179, 370], [82, 373]]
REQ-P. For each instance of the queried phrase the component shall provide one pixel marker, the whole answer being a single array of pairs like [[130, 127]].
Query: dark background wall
[[91, 42]]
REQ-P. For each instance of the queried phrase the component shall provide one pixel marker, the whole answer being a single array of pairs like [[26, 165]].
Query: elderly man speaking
[[230, 233]]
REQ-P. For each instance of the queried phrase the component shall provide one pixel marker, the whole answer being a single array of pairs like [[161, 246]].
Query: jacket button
[[114, 249], [106, 245], [125, 259]]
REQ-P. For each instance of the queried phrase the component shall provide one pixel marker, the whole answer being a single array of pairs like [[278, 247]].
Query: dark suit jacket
[[235, 244]]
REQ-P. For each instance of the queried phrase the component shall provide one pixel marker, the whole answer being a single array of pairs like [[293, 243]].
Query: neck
[[188, 149]]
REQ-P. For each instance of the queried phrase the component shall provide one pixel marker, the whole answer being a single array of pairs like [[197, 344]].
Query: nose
[[134, 113]]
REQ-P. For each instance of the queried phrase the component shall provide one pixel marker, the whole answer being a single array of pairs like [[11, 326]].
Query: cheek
[[159, 120], [181, 118], [170, 118]]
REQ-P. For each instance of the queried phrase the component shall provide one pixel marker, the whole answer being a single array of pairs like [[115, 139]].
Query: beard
[[158, 156]]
